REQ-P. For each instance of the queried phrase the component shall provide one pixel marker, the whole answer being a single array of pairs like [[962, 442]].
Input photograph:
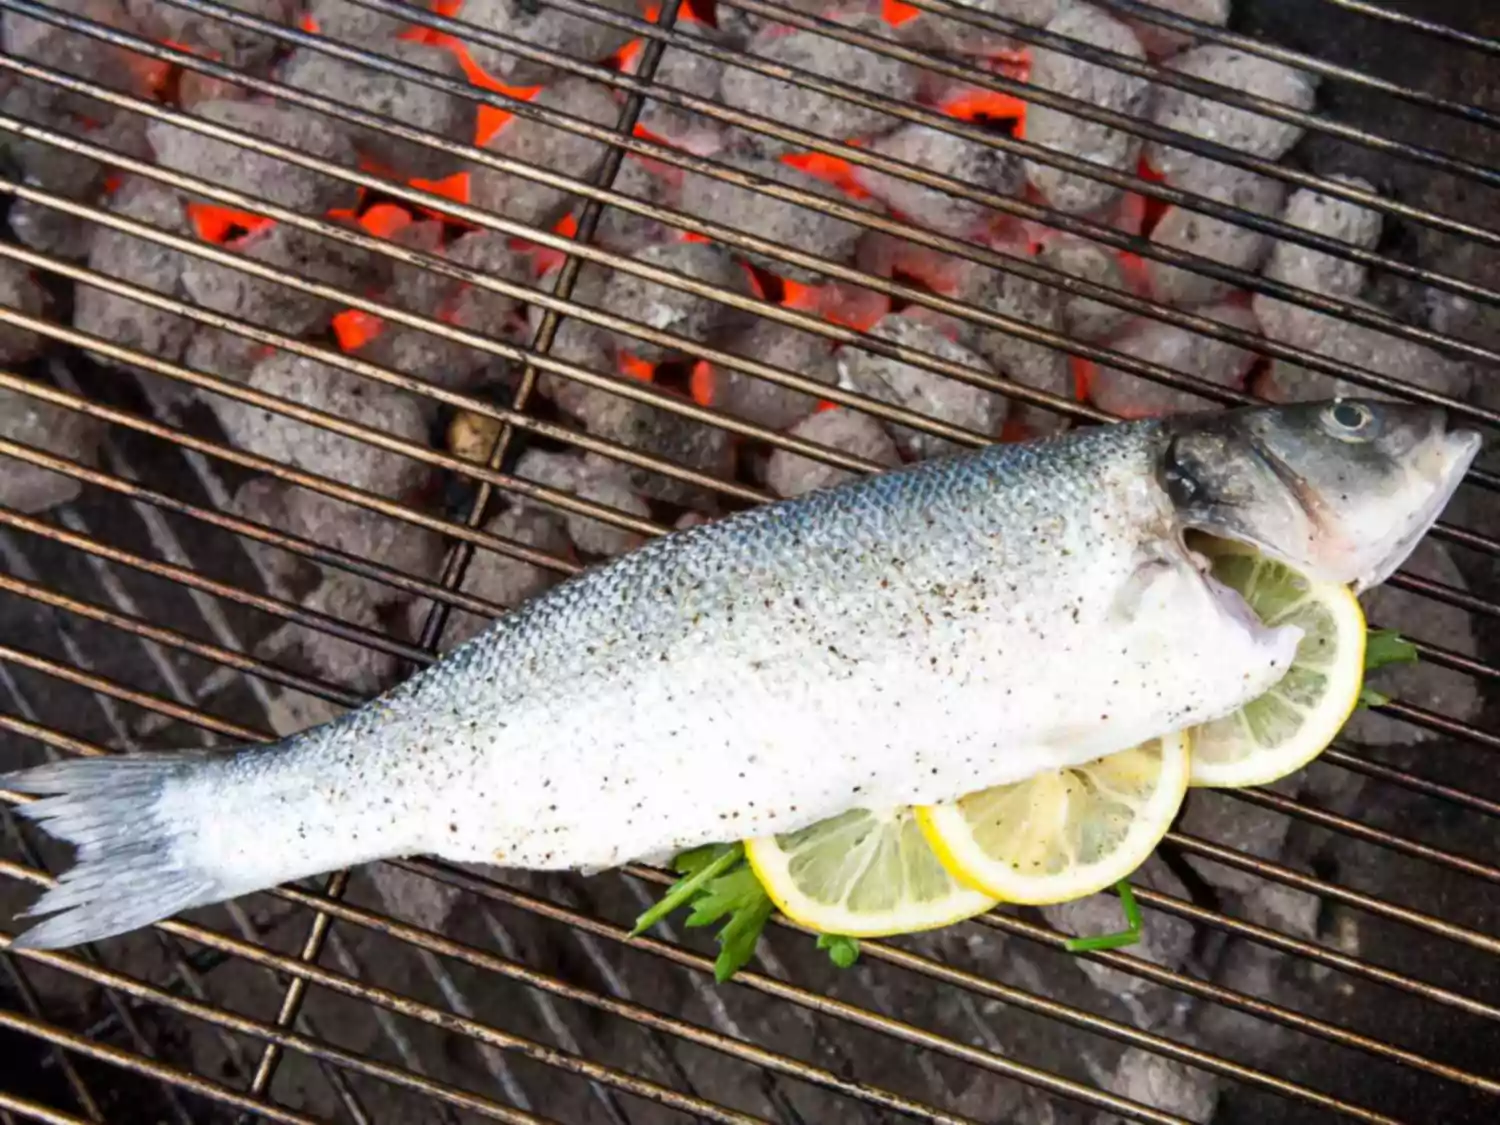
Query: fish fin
[[129, 871], [1134, 590]]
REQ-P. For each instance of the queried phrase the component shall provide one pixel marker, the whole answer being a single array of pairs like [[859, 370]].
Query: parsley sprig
[[1383, 647], [718, 884]]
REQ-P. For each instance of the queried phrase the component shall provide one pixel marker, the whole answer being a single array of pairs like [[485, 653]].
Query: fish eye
[[1349, 421]]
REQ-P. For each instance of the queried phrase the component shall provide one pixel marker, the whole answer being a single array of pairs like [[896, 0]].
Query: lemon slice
[[862, 874], [1065, 833], [1281, 731]]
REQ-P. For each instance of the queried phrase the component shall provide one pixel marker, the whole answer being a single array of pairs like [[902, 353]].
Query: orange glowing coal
[[990, 109], [830, 169], [354, 328], [636, 367], [224, 225]]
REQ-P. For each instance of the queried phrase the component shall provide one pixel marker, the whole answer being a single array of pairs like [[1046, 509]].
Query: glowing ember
[[491, 119], [702, 383], [454, 187], [221, 225], [1084, 371], [831, 169], [355, 328], [896, 13], [854, 307], [1153, 209], [989, 109], [384, 220], [636, 367], [310, 25], [544, 258]]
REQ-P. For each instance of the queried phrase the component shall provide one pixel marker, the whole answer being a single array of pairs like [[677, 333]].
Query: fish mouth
[[1444, 462]]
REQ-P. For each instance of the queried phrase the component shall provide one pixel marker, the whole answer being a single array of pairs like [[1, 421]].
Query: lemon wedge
[[1281, 731], [1065, 833], [862, 874]]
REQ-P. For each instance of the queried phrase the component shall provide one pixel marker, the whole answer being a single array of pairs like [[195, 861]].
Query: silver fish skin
[[906, 638]]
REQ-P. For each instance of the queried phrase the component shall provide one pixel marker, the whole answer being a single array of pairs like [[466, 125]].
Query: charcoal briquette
[[791, 474]]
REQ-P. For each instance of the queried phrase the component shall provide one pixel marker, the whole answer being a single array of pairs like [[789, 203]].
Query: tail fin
[[130, 869]]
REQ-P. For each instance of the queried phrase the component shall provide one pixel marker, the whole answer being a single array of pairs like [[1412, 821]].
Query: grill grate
[[137, 614]]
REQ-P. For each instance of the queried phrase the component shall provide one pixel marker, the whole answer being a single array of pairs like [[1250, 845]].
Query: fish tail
[[131, 867]]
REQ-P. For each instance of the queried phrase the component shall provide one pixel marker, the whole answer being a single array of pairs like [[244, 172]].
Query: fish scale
[[903, 639]]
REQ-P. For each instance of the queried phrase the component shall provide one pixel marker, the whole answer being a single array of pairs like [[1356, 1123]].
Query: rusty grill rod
[[855, 154], [1199, 30], [1162, 375], [1425, 27], [314, 619], [962, 72], [968, 250], [1299, 1020], [234, 390], [1265, 798], [59, 738]]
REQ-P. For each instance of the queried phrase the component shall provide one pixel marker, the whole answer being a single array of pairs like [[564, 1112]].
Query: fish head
[[1341, 490]]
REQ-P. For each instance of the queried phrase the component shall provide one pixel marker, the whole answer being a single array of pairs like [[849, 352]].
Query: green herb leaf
[[1387, 646], [1369, 697], [842, 951], [1118, 940], [717, 884], [700, 866]]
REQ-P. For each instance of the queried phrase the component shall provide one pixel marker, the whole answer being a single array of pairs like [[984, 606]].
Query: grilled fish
[[903, 639]]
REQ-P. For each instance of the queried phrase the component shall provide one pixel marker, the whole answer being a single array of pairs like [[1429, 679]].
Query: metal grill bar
[[1426, 27], [817, 143], [329, 915], [967, 250]]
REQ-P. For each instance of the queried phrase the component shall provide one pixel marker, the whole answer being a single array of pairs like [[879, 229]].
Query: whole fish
[[903, 639]]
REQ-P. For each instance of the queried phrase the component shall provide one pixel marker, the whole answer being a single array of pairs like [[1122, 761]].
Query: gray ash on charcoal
[[239, 47], [232, 166], [1083, 317], [590, 478], [346, 460], [1035, 365], [272, 304], [782, 347], [417, 104], [353, 23], [1161, 41], [937, 395], [141, 262], [687, 71], [775, 220], [539, 145], [542, 25], [791, 474], [1343, 341], [1097, 85], [694, 317], [937, 30], [471, 307], [1332, 217], [19, 290], [942, 153], [81, 55], [1220, 240], [626, 232], [1235, 128], [811, 110], [1217, 362], [65, 433]]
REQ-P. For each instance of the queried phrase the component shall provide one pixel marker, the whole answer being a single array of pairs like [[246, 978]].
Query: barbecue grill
[[1319, 950]]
